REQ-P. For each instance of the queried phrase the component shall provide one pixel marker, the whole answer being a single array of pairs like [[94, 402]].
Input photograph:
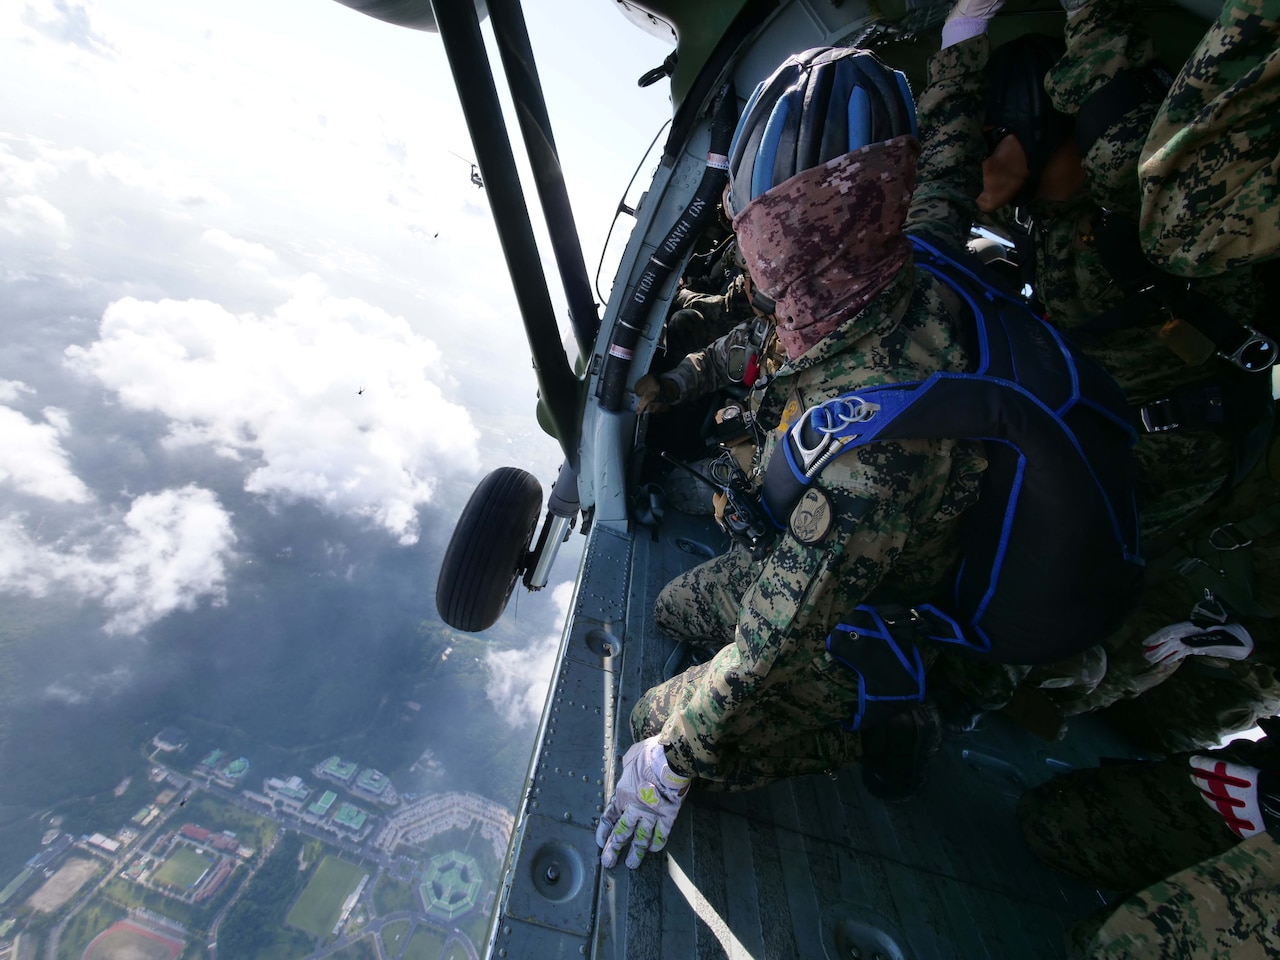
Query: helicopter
[[810, 867], [476, 179]]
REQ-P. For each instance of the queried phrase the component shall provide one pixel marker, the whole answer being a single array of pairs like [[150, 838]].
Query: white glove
[[1231, 641], [644, 805], [1232, 790], [968, 18]]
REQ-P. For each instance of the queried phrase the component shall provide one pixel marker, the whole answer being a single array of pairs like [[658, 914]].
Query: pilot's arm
[[713, 368]]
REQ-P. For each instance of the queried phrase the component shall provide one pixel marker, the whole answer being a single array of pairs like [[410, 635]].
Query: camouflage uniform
[[1205, 699], [1223, 908], [722, 365], [1129, 826], [697, 319], [1210, 182], [726, 365], [1179, 472], [770, 703]]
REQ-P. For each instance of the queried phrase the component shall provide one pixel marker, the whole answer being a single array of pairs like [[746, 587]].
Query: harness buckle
[[1256, 352], [1209, 612], [1159, 416], [1231, 536]]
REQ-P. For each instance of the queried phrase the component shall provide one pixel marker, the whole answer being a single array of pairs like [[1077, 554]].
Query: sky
[[241, 258]]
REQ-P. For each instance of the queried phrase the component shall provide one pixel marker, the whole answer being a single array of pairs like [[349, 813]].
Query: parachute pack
[[1050, 563]]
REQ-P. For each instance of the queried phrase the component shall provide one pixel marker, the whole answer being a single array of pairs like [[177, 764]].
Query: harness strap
[[1149, 290], [1221, 561], [1124, 92]]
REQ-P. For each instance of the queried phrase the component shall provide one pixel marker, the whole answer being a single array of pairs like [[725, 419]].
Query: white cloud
[[332, 400], [246, 253], [29, 212], [169, 552], [32, 458], [113, 682], [11, 390], [518, 679]]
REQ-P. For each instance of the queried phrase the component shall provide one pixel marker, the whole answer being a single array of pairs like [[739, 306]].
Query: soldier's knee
[[646, 720], [671, 610]]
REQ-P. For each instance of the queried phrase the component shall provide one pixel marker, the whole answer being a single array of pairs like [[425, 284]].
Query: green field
[[425, 945], [393, 935], [362, 949], [392, 896], [91, 920], [318, 908], [183, 868]]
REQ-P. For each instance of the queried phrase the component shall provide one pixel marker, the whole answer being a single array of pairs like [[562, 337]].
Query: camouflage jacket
[[1178, 472], [1211, 164], [894, 506]]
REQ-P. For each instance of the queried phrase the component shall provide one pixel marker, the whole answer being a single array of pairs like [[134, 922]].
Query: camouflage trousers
[[779, 739], [1226, 907], [1123, 826], [701, 605]]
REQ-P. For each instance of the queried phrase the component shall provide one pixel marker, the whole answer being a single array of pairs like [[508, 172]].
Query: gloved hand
[[968, 18], [644, 805], [1230, 641], [1245, 796], [653, 394]]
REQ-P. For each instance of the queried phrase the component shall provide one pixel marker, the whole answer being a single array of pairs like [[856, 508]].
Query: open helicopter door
[[490, 549]]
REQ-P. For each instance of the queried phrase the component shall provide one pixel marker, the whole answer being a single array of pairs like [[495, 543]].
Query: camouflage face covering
[[825, 242]]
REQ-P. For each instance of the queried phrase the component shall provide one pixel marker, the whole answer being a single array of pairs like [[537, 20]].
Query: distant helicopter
[[476, 179]]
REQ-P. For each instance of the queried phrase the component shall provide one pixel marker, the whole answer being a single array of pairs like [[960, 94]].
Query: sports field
[[183, 868], [318, 908], [128, 941]]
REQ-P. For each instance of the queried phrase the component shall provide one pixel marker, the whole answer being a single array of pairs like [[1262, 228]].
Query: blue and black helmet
[[817, 106]]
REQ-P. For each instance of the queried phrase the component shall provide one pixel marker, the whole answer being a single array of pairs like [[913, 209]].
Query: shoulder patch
[[812, 517]]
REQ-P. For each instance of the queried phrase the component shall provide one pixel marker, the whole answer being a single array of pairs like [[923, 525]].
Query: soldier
[[1064, 134], [698, 318], [1210, 191], [1128, 826], [821, 230]]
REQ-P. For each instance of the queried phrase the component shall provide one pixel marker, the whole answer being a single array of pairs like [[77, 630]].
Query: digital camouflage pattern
[[1204, 699], [1133, 825], [1210, 175], [770, 703], [701, 605], [1124, 825], [1225, 908], [1178, 472], [696, 318]]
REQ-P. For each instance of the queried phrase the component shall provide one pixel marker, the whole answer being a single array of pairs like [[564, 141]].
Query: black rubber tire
[[487, 552]]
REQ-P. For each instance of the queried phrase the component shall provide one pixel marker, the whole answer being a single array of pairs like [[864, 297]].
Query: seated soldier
[[1197, 831], [738, 364], [1064, 133], [821, 230]]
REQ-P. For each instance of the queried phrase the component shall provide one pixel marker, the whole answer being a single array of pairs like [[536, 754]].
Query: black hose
[[669, 255]]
